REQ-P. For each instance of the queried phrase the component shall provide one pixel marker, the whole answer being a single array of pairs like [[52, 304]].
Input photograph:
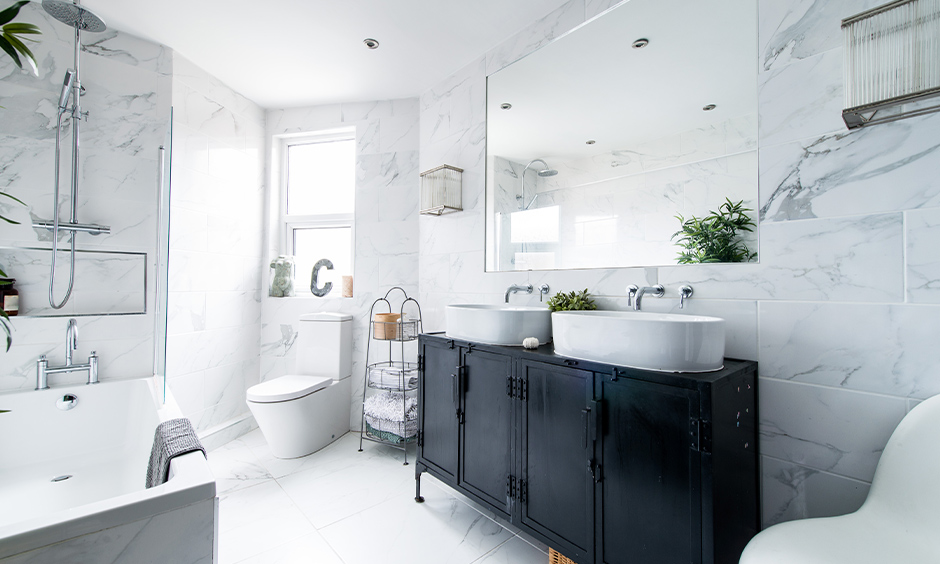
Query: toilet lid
[[291, 386]]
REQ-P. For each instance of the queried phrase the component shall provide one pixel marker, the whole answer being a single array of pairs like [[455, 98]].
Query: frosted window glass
[[321, 177], [534, 226]]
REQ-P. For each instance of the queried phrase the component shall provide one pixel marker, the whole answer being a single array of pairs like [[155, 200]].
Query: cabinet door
[[651, 483], [486, 429], [558, 426], [439, 401]]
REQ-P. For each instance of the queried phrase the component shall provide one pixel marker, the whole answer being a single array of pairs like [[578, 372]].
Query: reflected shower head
[[71, 14], [543, 172]]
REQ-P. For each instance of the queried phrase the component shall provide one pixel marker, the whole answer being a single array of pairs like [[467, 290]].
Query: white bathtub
[[103, 443]]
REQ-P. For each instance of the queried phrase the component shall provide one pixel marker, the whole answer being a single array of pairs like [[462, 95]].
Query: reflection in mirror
[[597, 141]]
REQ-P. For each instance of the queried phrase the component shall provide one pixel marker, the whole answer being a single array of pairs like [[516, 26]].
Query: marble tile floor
[[341, 506]]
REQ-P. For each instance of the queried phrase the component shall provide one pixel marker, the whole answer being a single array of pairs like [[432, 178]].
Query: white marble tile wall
[[386, 228], [127, 81], [216, 234], [841, 311]]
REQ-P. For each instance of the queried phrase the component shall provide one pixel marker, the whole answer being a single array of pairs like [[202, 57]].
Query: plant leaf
[[9, 13], [21, 28], [24, 50], [12, 197], [5, 45]]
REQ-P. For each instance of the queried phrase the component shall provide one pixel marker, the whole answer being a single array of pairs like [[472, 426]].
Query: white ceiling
[[289, 53]]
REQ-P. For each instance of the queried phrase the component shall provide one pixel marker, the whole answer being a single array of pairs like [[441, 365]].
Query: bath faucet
[[518, 288], [635, 294], [543, 291], [43, 370]]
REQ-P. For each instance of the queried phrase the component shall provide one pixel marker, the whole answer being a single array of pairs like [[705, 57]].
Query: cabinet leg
[[418, 497]]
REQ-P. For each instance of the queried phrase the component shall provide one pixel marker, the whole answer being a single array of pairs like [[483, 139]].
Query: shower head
[[66, 89], [71, 14], [543, 172]]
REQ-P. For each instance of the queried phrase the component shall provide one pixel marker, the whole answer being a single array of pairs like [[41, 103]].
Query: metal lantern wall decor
[[441, 190], [892, 62]]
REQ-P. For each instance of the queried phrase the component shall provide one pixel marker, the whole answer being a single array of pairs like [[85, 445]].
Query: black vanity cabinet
[[605, 464]]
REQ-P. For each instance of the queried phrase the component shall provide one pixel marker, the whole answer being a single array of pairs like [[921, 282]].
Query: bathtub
[[72, 481]]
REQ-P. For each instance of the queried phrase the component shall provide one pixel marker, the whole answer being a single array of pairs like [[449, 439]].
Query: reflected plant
[[5, 319], [12, 36], [714, 238]]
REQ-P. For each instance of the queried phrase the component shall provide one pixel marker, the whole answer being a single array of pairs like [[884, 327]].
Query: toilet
[[302, 412]]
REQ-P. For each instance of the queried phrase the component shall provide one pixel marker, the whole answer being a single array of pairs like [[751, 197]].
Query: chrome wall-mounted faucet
[[543, 291], [71, 343], [685, 292], [518, 288], [635, 294]]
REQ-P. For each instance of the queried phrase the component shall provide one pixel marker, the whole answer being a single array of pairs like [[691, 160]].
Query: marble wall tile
[[886, 349], [922, 228], [798, 29], [802, 100], [849, 173], [845, 259], [568, 16], [593, 8], [790, 491], [819, 427]]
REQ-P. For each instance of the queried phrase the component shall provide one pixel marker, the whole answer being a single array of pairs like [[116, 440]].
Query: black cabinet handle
[[586, 425], [455, 386]]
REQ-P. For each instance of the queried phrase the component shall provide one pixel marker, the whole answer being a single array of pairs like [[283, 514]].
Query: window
[[317, 203]]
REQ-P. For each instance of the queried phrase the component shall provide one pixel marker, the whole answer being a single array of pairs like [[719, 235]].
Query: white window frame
[[291, 222]]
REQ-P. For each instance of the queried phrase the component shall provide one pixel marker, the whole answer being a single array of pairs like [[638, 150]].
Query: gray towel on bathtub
[[172, 438]]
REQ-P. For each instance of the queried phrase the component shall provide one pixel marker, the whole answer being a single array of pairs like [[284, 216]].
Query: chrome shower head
[[71, 14], [547, 172]]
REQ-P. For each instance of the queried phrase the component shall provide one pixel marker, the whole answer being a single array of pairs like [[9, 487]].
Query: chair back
[[907, 480]]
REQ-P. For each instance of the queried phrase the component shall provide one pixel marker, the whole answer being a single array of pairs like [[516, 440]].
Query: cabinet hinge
[[510, 385], [510, 487], [700, 435], [420, 363], [523, 389], [420, 439], [523, 491]]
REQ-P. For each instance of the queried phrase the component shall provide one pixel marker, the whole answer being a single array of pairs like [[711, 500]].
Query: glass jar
[[9, 296]]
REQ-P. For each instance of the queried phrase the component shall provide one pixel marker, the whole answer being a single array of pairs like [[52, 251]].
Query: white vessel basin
[[498, 324], [666, 342]]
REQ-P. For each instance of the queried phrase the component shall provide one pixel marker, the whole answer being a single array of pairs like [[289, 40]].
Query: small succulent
[[572, 301]]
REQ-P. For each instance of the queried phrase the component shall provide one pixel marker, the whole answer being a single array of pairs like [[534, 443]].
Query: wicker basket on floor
[[555, 557]]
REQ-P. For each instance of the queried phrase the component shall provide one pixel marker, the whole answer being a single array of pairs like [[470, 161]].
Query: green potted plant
[[715, 237], [572, 301]]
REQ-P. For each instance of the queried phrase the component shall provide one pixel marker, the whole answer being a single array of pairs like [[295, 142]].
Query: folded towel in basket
[[172, 438]]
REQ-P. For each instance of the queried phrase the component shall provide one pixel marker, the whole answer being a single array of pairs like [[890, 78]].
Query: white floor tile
[[236, 468], [514, 551], [440, 530], [305, 550], [263, 534], [247, 505]]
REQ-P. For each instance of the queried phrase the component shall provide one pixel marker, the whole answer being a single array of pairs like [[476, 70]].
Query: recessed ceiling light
[[641, 43], [371, 43], [590, 142], [709, 107], [505, 106]]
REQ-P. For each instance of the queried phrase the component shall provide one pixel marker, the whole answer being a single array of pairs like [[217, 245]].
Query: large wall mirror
[[598, 140]]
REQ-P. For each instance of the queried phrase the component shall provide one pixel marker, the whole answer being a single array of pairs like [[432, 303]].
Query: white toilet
[[302, 412]]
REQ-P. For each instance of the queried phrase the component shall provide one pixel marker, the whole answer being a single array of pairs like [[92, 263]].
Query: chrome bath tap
[[635, 294], [43, 370], [518, 288]]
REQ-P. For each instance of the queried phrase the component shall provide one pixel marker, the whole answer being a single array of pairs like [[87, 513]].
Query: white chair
[[899, 523]]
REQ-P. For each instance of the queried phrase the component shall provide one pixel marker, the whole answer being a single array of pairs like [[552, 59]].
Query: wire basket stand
[[391, 381]]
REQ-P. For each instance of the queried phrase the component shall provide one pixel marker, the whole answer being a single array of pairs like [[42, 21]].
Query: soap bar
[[530, 343]]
